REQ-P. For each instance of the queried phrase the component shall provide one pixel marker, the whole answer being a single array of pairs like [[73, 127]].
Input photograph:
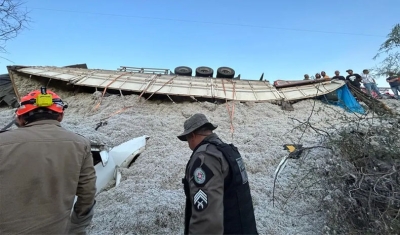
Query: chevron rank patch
[[200, 200]]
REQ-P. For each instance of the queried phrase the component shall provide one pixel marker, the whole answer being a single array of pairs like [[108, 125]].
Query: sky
[[283, 39]]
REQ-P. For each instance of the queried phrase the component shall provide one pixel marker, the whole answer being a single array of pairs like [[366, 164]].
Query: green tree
[[390, 48], [13, 19]]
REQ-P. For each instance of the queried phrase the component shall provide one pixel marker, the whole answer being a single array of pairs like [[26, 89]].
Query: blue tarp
[[347, 101]]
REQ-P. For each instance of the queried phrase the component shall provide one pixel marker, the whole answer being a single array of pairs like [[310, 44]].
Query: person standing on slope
[[338, 76], [370, 83], [354, 79], [43, 166], [394, 82], [323, 74], [218, 198]]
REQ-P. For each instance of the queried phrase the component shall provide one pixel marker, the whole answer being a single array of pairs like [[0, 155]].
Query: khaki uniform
[[42, 168], [205, 173]]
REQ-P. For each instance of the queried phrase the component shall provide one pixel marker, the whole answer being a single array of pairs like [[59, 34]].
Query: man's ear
[[19, 121], [60, 117]]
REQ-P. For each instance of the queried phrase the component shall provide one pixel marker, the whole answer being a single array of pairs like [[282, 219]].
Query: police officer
[[43, 166], [218, 199]]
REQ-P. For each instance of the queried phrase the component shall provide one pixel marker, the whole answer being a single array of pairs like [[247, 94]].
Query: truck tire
[[204, 71], [225, 72], [183, 71]]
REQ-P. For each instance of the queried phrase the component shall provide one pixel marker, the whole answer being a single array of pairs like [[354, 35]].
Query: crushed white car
[[107, 161]]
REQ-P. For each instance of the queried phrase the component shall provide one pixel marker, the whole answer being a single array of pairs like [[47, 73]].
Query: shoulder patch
[[200, 200], [201, 173]]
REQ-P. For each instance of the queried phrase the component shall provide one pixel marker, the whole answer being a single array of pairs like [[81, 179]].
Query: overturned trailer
[[7, 92], [167, 84]]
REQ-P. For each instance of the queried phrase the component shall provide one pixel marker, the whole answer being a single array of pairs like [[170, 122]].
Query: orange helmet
[[42, 98]]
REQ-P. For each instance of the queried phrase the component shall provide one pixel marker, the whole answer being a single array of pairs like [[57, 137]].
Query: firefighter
[[43, 166], [218, 198]]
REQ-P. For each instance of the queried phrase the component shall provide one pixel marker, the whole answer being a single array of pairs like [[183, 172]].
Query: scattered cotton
[[150, 197]]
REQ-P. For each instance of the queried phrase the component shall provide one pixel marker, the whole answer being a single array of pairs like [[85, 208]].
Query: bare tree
[[391, 48], [13, 19]]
